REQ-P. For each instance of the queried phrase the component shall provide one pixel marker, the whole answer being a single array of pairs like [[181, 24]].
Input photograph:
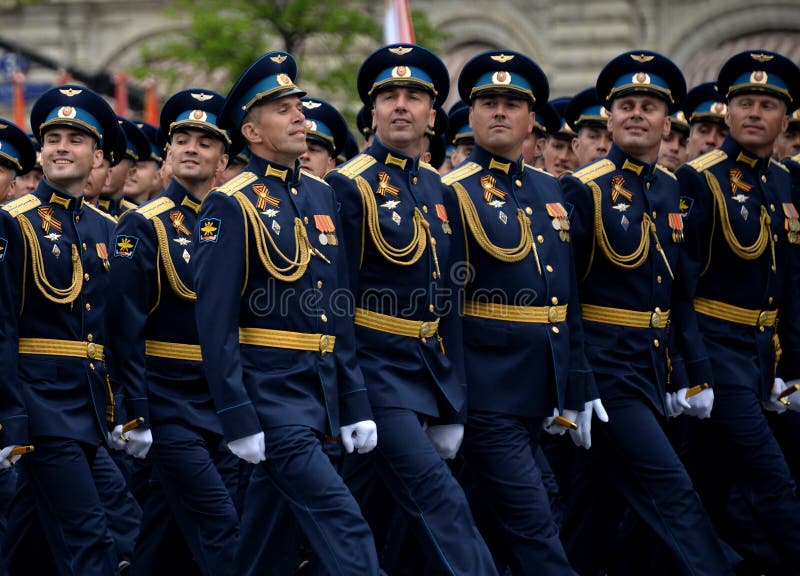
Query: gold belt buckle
[[655, 319], [425, 330], [323, 344], [552, 314], [763, 319], [91, 351]]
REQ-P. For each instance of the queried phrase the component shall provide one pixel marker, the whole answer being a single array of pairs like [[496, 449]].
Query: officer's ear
[[97, 157], [667, 125]]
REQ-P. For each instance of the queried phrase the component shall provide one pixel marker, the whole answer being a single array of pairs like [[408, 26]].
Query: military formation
[[523, 336]]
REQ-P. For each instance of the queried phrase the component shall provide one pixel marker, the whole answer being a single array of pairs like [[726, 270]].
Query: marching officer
[[407, 331], [17, 158], [589, 119], [515, 242], [326, 136], [278, 346], [154, 344], [558, 156], [673, 153], [144, 178], [705, 110], [54, 252], [136, 147], [628, 238], [743, 223], [459, 133]]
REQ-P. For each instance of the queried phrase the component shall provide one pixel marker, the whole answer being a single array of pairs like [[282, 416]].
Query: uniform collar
[[496, 163], [741, 156], [110, 206], [178, 194], [267, 169], [51, 195], [391, 157], [625, 161]]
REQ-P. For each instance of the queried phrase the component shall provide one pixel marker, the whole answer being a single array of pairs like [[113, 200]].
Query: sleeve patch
[[685, 205], [209, 229], [125, 246], [3, 247]]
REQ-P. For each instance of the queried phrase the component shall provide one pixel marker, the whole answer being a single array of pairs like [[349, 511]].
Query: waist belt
[[173, 350], [623, 317], [322, 343], [532, 314], [731, 313], [394, 325], [50, 347]]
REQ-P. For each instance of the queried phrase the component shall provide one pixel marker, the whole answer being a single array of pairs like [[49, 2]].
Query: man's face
[[788, 143], [401, 116], [68, 156], [591, 143], [501, 123], [705, 137], [196, 155], [117, 175], [756, 120], [672, 153], [26, 183], [144, 180], [317, 159], [97, 180], [461, 153], [638, 123], [532, 147], [276, 130], [558, 156], [7, 176]]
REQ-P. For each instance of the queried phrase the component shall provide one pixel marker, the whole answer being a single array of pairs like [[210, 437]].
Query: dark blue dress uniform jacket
[[749, 187], [610, 200], [45, 394], [276, 386], [403, 372], [516, 367], [151, 317]]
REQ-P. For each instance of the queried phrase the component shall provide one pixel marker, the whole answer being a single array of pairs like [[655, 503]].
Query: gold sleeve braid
[[58, 295], [526, 244], [174, 280], [303, 248], [756, 249]]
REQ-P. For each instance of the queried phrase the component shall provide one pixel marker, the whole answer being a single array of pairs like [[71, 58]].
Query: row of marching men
[[293, 355]]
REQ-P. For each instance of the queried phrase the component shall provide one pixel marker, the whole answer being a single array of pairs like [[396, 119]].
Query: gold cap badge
[[401, 50], [201, 96], [642, 57], [69, 92], [502, 57], [279, 58]]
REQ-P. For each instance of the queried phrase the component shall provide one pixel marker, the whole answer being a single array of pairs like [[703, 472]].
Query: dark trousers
[[122, 510], [297, 475], [501, 450], [56, 482], [633, 461]]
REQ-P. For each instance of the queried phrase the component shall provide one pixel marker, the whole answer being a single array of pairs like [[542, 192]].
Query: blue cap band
[[77, 117], [503, 80], [641, 82], [403, 75], [759, 80]]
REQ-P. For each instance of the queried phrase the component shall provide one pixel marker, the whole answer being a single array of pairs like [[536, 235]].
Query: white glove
[[361, 436], [5, 462], [583, 435], [557, 429], [115, 438], [794, 397], [139, 442], [700, 404], [446, 438], [775, 405], [677, 403], [250, 448]]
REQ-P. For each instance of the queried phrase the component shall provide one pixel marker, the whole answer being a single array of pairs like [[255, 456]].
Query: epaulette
[[428, 167], [103, 214], [236, 183], [594, 170], [666, 171], [796, 158], [545, 172], [317, 178], [708, 160], [356, 166], [22, 205], [460, 173], [158, 206], [779, 164], [128, 205]]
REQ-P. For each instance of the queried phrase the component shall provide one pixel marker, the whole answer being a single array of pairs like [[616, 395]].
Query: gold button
[[324, 318], [647, 184], [294, 190], [319, 283], [88, 306], [540, 239], [425, 209], [431, 308], [83, 245], [659, 279], [305, 219], [656, 343], [528, 210], [424, 340], [77, 218], [555, 329], [518, 182], [414, 180], [775, 237], [86, 277], [772, 207], [657, 309], [770, 300], [763, 178], [554, 300], [548, 268], [90, 337], [654, 214], [91, 365], [434, 276]]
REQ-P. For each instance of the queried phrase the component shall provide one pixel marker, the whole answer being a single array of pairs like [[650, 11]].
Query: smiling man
[[627, 232]]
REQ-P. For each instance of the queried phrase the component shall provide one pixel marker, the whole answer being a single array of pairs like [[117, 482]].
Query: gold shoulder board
[[460, 173], [780, 165], [317, 178], [156, 207], [22, 205], [666, 171], [236, 183], [594, 170], [708, 160], [796, 158], [105, 215], [356, 166], [428, 167]]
